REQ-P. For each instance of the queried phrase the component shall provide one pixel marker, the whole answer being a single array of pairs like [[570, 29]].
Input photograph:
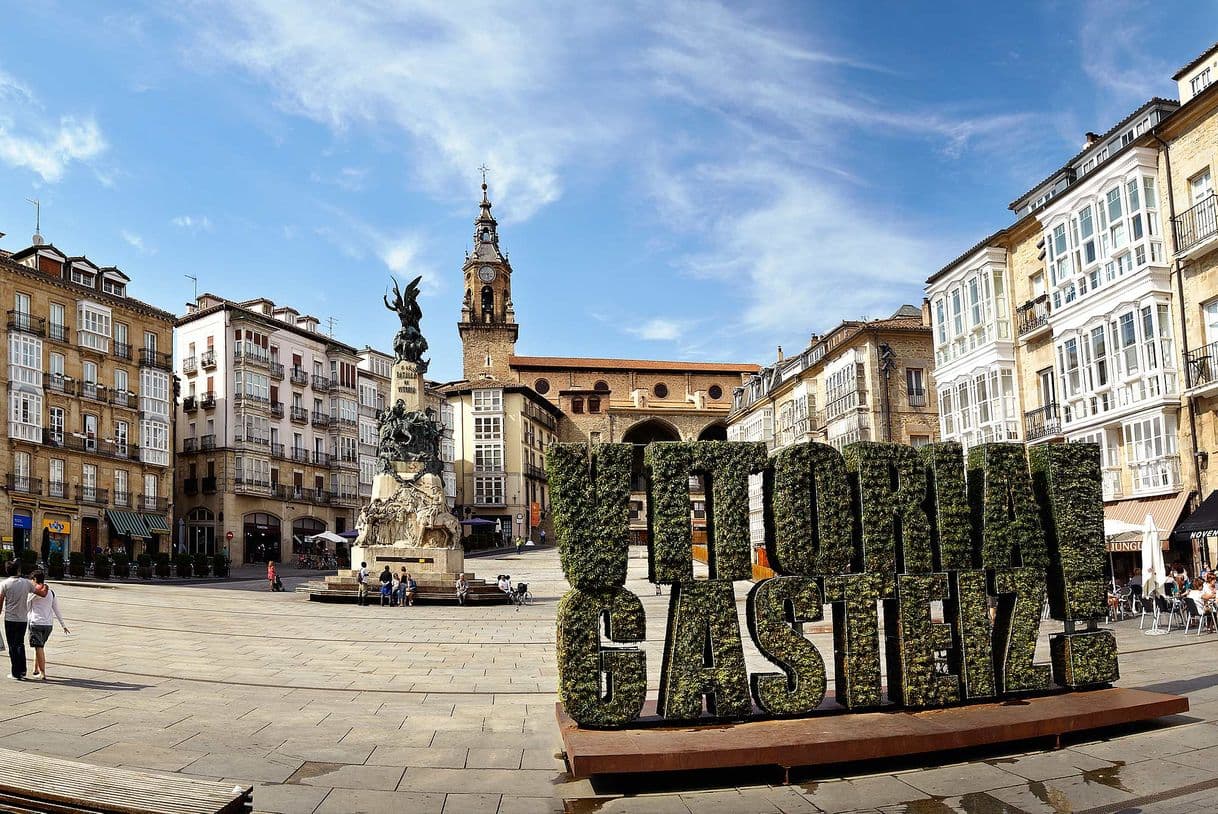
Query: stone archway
[[642, 434], [715, 431]]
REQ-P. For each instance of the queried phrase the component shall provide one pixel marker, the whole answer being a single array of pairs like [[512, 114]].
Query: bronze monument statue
[[409, 344]]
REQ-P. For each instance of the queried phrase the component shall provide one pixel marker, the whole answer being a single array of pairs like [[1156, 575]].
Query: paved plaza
[[337, 708]]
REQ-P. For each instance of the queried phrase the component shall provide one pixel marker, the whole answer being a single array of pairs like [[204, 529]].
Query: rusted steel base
[[830, 737]]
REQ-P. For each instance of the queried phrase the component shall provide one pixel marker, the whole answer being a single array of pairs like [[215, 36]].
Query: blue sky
[[682, 180]]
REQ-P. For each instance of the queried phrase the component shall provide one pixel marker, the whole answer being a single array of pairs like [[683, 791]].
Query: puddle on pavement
[[313, 768], [585, 805], [1109, 776], [975, 803], [1051, 797]]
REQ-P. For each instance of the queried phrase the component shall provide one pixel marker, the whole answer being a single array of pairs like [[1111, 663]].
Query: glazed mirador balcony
[[1032, 317], [1196, 227], [1043, 422]]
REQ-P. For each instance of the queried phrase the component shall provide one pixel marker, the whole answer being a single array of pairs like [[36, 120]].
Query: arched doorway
[[261, 538], [201, 531], [642, 434], [303, 527], [713, 432]]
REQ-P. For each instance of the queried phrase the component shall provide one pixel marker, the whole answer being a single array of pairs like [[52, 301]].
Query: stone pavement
[[337, 708]]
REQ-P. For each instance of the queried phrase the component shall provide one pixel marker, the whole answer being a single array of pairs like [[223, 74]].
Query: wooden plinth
[[826, 738]]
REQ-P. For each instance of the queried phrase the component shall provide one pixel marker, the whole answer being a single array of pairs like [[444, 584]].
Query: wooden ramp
[[835, 736], [30, 782]]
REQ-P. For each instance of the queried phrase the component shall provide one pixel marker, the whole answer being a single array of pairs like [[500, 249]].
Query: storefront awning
[[1165, 509], [128, 524], [1201, 523], [157, 524]]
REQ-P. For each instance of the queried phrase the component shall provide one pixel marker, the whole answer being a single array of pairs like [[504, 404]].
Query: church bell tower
[[488, 326]]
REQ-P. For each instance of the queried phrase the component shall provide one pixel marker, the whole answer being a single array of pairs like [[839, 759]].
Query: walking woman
[[43, 611]]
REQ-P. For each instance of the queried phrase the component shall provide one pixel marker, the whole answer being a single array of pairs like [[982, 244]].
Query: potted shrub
[[122, 565], [202, 565], [183, 565], [55, 565], [144, 566], [162, 566], [220, 565], [101, 566], [76, 564]]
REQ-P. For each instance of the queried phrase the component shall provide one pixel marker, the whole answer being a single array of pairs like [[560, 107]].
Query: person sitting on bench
[[505, 585], [462, 587]]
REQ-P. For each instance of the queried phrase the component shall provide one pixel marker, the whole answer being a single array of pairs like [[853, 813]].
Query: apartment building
[[268, 429], [87, 454]]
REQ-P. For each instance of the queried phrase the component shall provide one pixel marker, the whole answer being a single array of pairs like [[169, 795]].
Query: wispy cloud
[[49, 150], [1112, 47], [137, 242], [659, 329], [192, 223]]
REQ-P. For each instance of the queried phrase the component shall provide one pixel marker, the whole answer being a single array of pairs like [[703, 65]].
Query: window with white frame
[[368, 469], [367, 433], [971, 312], [25, 359], [93, 326], [488, 490], [488, 401], [488, 428], [1200, 82], [120, 487], [25, 415], [55, 474], [150, 496], [488, 457], [154, 392], [154, 443]]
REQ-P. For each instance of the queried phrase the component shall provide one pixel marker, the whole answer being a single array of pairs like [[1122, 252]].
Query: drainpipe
[[1179, 271], [885, 354]]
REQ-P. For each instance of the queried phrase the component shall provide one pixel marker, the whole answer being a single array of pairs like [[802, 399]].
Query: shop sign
[[57, 526], [23, 521]]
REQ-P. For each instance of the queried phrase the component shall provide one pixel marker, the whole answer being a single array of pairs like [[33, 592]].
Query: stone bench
[[30, 783]]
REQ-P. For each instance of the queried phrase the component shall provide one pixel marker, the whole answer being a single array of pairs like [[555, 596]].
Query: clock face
[[486, 274]]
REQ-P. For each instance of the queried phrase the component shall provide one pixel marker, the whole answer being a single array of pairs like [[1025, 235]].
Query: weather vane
[[484, 170]]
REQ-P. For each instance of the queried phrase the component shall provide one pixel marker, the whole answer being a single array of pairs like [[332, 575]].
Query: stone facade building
[[508, 408], [88, 443]]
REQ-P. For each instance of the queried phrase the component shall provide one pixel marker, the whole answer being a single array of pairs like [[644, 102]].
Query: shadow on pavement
[[94, 684]]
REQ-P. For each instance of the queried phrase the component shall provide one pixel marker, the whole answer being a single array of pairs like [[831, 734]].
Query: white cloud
[[48, 151], [192, 223], [1112, 47], [659, 329], [137, 242]]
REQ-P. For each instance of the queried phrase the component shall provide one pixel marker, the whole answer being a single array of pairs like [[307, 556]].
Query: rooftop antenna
[[194, 280], [331, 322], [37, 241]]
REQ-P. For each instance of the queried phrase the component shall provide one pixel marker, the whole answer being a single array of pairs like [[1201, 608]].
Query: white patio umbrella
[[1154, 573]]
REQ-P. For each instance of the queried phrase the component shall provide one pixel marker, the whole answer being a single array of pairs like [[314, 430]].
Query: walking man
[[14, 596], [362, 579]]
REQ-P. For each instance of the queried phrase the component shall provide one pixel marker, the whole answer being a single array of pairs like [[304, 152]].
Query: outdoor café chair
[[1147, 607]]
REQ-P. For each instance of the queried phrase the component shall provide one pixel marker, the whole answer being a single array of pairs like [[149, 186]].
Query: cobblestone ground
[[336, 708]]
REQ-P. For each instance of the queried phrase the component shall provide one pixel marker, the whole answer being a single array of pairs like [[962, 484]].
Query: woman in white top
[[43, 611]]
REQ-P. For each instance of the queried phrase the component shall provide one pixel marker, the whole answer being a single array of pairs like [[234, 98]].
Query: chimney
[[780, 353], [1089, 139]]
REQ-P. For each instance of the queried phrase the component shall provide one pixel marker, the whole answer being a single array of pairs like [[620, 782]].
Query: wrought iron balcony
[[122, 499], [25, 485], [209, 485], [190, 364], [190, 486], [299, 376], [207, 442], [152, 503], [57, 488], [122, 351], [190, 404], [1201, 366], [321, 458], [58, 383], [58, 332], [27, 323], [300, 415], [1043, 422], [92, 495], [300, 455], [190, 445], [208, 401], [277, 370], [154, 358], [1033, 315], [123, 398], [207, 359], [320, 383], [277, 451], [94, 391], [321, 419], [1197, 224], [277, 409]]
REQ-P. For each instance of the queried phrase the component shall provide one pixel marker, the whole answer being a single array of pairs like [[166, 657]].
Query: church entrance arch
[[642, 434], [716, 431]]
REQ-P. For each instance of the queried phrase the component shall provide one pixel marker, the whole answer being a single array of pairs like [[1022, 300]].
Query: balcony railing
[[1201, 365], [122, 398], [207, 442], [154, 358], [1033, 315], [94, 391], [299, 376], [190, 445], [57, 488], [248, 352], [190, 404], [190, 486], [321, 458], [209, 485], [300, 415], [190, 364], [23, 484], [1196, 224], [252, 440], [208, 401], [27, 323], [122, 350], [58, 332], [300, 455], [1043, 422], [368, 410], [242, 483], [122, 499], [152, 503], [277, 451], [207, 359], [917, 398], [321, 419], [277, 409], [92, 495], [107, 448], [320, 383], [58, 383]]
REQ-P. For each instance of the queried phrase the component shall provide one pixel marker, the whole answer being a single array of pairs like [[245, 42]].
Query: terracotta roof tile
[[629, 364]]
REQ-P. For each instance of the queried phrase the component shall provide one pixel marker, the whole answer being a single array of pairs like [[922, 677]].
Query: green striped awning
[[130, 524], [157, 524]]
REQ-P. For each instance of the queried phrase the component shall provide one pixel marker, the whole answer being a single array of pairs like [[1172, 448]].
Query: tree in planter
[[144, 566], [183, 564], [202, 565], [101, 566], [55, 565], [76, 564], [162, 566], [122, 565]]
